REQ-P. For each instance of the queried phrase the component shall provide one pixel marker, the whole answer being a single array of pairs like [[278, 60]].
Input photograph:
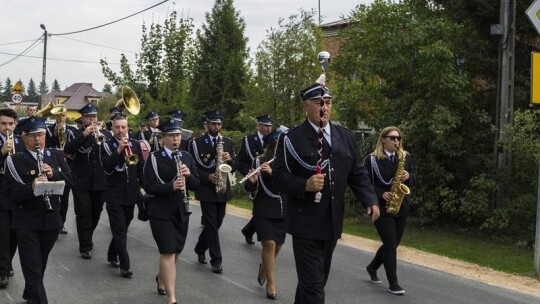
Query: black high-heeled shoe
[[271, 296], [259, 279], [160, 291]]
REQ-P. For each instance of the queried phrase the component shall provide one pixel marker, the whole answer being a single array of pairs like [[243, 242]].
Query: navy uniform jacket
[[86, 163], [251, 148], [51, 140], [5, 202], [122, 187], [387, 171], [204, 154], [267, 202], [159, 174], [154, 145], [29, 210], [323, 220]]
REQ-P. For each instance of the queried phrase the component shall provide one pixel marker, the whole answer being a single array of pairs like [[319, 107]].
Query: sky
[[21, 22]]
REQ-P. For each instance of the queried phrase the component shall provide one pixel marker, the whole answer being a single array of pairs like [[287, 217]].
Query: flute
[[257, 170]]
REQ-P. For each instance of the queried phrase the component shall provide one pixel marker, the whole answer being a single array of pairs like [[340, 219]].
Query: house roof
[[77, 95]]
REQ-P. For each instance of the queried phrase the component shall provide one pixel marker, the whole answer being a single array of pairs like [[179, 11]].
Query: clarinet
[[46, 199], [183, 191]]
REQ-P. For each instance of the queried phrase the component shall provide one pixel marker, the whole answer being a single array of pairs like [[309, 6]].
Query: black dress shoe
[[248, 238], [259, 279], [63, 230], [160, 291], [201, 257], [114, 262], [373, 276], [87, 255], [4, 281], [126, 273], [217, 268], [271, 296]]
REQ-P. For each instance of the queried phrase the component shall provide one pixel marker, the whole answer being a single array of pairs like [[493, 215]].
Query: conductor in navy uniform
[[213, 203], [152, 134], [251, 148], [122, 189], [316, 227], [8, 236], [37, 228], [166, 205], [90, 183]]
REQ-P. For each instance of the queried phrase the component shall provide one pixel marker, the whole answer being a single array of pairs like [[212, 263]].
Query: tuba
[[398, 189], [57, 111], [129, 101], [46, 110], [222, 169]]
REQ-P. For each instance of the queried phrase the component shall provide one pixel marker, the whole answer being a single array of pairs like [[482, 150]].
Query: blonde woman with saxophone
[[390, 169]]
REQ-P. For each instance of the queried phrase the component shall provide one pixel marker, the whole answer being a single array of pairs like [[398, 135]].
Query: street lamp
[[44, 64]]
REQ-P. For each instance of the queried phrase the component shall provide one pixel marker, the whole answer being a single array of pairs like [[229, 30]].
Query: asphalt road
[[70, 279]]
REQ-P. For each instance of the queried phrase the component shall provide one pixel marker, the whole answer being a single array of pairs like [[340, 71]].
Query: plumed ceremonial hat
[[314, 91]]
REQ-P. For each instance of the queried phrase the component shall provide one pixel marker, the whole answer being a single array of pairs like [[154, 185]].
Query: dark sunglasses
[[394, 138]]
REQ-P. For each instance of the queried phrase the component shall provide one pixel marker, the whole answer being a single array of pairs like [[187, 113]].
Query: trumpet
[[11, 141], [100, 137], [257, 170], [131, 159], [48, 206], [183, 192]]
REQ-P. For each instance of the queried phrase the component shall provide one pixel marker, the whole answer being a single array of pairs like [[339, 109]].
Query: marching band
[[154, 169]]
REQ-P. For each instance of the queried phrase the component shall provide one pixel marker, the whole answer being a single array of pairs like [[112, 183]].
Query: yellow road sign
[[535, 78], [17, 88]]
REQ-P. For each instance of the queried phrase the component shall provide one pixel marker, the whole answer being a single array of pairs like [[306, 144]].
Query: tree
[[55, 85], [43, 88], [31, 93], [107, 88], [402, 64], [285, 62], [6, 94], [220, 70]]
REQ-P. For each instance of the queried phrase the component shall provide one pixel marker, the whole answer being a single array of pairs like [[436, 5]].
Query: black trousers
[[120, 217], [313, 260], [8, 242], [34, 249], [88, 207], [249, 228], [212, 218], [390, 230], [64, 203]]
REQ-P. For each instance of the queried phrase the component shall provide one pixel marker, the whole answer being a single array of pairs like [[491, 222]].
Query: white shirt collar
[[169, 152], [260, 136], [33, 153], [326, 128], [388, 154]]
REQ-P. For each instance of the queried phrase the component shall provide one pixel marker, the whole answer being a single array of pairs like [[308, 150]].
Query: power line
[[100, 45], [68, 60], [17, 42], [21, 54], [95, 27]]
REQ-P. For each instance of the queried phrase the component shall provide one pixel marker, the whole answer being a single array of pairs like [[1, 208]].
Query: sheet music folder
[[49, 188]]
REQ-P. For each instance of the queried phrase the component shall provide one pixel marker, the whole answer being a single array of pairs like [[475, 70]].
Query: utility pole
[[44, 65], [319, 12], [505, 88]]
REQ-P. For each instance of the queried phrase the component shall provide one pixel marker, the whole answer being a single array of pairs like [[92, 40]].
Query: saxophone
[[398, 189], [222, 169]]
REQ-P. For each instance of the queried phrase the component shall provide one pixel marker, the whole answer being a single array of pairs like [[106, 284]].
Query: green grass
[[448, 242]]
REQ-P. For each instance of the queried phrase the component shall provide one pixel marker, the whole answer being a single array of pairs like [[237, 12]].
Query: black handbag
[[141, 205]]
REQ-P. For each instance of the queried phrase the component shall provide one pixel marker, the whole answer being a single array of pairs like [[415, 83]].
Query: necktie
[[214, 142], [392, 158]]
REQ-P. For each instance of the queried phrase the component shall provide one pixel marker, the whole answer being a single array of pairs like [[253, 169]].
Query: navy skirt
[[170, 235], [270, 229]]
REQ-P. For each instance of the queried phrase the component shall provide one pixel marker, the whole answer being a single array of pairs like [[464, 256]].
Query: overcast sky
[[20, 20]]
